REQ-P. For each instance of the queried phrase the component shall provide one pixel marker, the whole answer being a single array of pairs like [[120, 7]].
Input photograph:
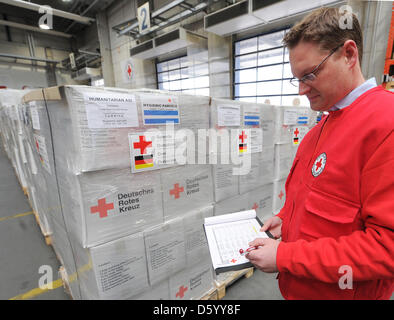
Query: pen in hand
[[243, 252]]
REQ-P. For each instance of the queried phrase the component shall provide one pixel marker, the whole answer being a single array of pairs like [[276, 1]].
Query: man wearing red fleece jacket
[[337, 224]]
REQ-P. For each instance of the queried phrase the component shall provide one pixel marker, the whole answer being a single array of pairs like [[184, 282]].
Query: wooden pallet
[[65, 280], [224, 280], [212, 294], [47, 236]]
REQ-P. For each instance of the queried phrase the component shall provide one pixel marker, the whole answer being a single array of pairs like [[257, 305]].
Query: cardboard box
[[193, 282], [186, 188], [165, 250]]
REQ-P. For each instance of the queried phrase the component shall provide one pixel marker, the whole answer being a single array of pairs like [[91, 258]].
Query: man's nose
[[303, 88]]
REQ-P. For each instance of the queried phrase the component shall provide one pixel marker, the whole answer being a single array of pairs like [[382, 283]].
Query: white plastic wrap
[[101, 120], [233, 204], [195, 241], [225, 119], [284, 156], [120, 267], [160, 291], [287, 118], [165, 250], [261, 200], [279, 195], [104, 205], [261, 171], [225, 181], [64, 252], [193, 282], [186, 188], [124, 234], [268, 124]]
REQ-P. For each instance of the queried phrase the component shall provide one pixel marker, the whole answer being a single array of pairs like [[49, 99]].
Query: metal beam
[[156, 13], [82, 14], [90, 53], [27, 65], [175, 19], [15, 56], [55, 12], [35, 29]]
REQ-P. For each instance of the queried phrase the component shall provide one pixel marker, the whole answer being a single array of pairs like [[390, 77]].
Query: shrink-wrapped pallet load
[[124, 213], [109, 203], [291, 126]]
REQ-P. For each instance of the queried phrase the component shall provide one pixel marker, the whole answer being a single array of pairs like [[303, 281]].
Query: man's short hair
[[323, 27]]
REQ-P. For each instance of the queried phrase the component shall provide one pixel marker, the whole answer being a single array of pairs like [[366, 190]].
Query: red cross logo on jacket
[[319, 164]]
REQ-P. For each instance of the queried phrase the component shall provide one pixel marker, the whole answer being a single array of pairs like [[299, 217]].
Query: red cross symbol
[[176, 191], [169, 100], [233, 261], [243, 136], [296, 132], [129, 70], [181, 292], [319, 164], [255, 206], [102, 208], [281, 194], [142, 144]]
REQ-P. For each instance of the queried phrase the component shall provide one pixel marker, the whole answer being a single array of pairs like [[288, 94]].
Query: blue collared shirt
[[348, 100]]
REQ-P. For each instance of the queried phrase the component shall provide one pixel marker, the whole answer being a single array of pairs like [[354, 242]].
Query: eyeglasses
[[312, 75]]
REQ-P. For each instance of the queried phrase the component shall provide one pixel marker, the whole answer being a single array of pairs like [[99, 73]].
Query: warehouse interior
[[80, 217]]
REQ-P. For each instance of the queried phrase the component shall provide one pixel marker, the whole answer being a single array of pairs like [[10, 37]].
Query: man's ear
[[350, 52]]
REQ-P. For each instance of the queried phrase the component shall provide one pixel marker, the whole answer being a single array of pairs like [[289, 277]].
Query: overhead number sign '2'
[[144, 17]]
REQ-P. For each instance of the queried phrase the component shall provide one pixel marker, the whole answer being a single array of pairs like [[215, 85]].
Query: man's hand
[[273, 225], [264, 258]]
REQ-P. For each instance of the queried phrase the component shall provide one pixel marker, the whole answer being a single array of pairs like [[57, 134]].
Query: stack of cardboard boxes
[[124, 233], [291, 125], [123, 179]]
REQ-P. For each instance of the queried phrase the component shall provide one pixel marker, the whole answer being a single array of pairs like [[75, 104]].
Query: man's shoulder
[[381, 103], [378, 93], [377, 112]]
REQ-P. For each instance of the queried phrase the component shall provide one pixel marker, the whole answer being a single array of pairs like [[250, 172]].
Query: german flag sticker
[[144, 161], [243, 148]]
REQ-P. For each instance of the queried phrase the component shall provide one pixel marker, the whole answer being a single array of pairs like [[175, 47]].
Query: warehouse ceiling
[[167, 13], [10, 10]]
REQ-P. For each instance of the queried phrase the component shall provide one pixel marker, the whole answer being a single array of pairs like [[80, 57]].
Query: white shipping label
[[152, 151], [250, 140], [159, 110], [223, 176], [111, 110], [251, 116], [11, 111], [303, 117], [298, 133], [290, 117], [256, 140], [165, 251], [120, 268], [34, 116], [229, 116], [42, 152]]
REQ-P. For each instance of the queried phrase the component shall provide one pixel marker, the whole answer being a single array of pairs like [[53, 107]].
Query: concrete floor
[[24, 251]]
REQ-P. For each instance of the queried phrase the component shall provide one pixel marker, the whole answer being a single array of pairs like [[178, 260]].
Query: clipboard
[[228, 233]]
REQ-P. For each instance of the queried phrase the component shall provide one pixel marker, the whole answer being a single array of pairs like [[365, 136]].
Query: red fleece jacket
[[339, 210]]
